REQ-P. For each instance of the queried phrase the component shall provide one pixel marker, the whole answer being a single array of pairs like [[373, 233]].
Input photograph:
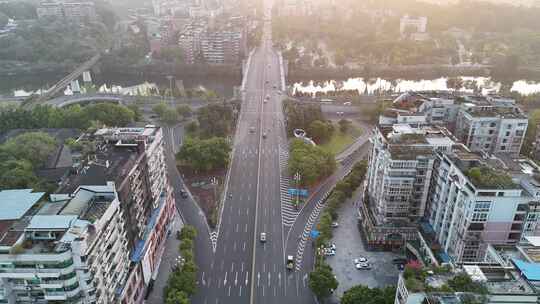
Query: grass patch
[[340, 141]]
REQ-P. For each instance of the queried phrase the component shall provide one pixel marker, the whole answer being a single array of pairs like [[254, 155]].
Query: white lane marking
[[236, 227], [245, 228], [225, 280], [247, 212], [229, 291], [244, 246], [236, 279], [247, 276], [202, 279], [279, 278], [234, 246], [269, 278], [258, 278], [265, 211], [232, 266], [240, 291], [263, 292], [274, 291]]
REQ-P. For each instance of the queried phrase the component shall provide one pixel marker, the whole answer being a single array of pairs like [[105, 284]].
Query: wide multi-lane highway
[[234, 265]]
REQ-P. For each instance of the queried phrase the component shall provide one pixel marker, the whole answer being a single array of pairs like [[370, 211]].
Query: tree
[[137, 114], [312, 162], [215, 120], [176, 296], [205, 154], [322, 281], [184, 111], [160, 108], [110, 114], [365, 295], [188, 232], [32, 146], [320, 131], [344, 125]]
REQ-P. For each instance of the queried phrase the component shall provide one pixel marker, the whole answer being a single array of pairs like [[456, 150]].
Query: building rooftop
[[51, 222], [15, 203]]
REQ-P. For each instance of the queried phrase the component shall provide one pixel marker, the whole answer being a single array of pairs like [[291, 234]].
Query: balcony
[[55, 295]]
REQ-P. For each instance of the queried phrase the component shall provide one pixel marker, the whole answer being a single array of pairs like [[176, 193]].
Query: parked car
[[183, 194], [335, 224], [360, 260], [329, 252], [347, 103], [397, 261]]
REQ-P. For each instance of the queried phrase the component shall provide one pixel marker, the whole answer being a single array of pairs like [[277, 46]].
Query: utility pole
[[297, 177], [170, 77]]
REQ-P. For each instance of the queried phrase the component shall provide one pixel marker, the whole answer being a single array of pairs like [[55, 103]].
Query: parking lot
[[349, 246]]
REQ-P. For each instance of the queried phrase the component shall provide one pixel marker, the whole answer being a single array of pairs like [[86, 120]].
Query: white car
[[329, 252], [335, 224], [362, 266], [331, 246], [360, 260], [263, 237], [347, 103]]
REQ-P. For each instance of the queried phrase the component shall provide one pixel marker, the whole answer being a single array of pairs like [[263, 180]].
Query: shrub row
[[182, 282]]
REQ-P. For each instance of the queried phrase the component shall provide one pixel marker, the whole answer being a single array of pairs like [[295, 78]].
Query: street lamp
[[214, 183], [170, 77], [297, 177]]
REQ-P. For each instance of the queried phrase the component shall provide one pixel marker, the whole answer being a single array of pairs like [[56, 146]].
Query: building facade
[[75, 11], [491, 128]]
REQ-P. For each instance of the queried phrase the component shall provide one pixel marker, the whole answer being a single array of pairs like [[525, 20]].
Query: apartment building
[[491, 125], [507, 274], [133, 158], [398, 179], [216, 44], [419, 24], [475, 202], [72, 248], [76, 11]]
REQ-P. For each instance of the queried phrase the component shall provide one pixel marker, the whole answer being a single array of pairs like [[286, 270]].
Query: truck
[[290, 262]]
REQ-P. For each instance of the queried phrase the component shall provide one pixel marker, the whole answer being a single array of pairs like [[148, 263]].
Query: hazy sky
[[514, 2]]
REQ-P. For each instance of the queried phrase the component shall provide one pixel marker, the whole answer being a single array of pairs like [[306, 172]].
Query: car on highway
[[290, 262], [252, 130], [347, 103], [275, 86], [340, 113], [335, 224], [264, 135], [263, 237], [331, 246]]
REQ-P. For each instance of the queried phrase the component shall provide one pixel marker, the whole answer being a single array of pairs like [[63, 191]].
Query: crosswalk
[[288, 211], [307, 230]]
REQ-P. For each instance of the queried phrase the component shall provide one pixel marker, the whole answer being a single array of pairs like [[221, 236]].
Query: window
[[492, 124], [490, 132], [503, 148], [486, 146], [507, 133], [482, 206], [509, 126], [479, 217], [505, 141]]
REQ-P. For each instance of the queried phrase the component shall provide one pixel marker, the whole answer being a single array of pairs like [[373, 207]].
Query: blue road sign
[[300, 192]]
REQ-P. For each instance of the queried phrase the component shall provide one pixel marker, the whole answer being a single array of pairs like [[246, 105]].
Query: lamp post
[[170, 77], [297, 177], [214, 182]]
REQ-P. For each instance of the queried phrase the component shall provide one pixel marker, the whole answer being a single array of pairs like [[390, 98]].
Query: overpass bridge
[[63, 83]]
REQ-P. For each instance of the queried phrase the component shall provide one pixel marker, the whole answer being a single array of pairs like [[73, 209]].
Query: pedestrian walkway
[[167, 262]]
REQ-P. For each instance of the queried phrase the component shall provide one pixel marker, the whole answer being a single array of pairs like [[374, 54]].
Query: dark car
[[183, 194]]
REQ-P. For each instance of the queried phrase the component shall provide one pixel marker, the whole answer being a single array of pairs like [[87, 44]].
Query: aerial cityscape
[[269, 151]]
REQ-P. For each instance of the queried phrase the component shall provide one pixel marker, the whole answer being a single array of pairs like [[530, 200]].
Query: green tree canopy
[[322, 281], [205, 154], [365, 295]]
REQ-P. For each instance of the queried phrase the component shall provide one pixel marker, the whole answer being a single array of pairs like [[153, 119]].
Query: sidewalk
[[167, 262]]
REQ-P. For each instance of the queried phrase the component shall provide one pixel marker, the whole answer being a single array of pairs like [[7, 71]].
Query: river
[[375, 86], [22, 86]]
